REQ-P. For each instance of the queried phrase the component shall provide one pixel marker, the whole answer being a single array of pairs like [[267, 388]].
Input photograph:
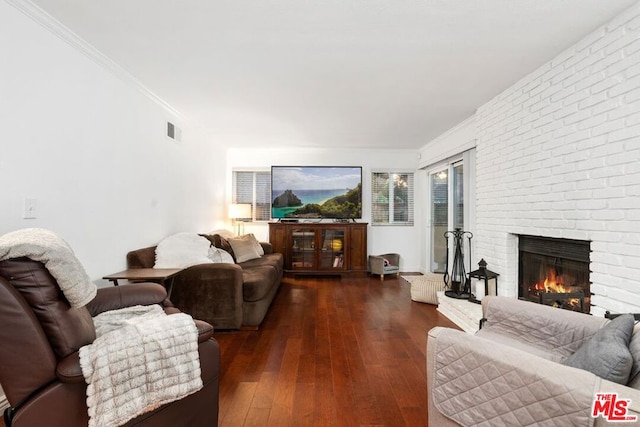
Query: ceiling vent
[[174, 132]]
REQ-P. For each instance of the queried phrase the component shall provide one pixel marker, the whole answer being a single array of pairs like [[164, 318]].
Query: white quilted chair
[[515, 370]]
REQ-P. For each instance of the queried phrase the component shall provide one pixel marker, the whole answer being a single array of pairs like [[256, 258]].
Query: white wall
[[404, 240], [558, 154], [89, 146]]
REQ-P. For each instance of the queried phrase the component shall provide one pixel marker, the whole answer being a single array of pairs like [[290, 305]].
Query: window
[[253, 187], [392, 198]]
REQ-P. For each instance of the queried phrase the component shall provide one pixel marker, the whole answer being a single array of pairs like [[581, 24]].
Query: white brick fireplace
[[558, 155]]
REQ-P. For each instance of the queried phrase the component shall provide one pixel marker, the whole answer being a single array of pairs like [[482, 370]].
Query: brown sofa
[[228, 296]]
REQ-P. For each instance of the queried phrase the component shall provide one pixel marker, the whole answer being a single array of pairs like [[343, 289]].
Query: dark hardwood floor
[[331, 352]]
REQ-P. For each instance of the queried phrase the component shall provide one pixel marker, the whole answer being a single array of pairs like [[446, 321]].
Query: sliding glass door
[[458, 196], [447, 210], [439, 219]]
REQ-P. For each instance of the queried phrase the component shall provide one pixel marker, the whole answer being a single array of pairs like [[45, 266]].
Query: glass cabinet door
[[303, 248], [332, 250]]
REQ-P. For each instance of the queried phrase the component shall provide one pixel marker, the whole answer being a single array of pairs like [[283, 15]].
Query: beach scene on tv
[[316, 192]]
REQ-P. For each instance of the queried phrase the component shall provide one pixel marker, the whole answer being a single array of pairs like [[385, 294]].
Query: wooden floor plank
[[331, 352], [236, 411]]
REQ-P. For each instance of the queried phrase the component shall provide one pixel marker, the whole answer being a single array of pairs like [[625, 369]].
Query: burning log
[[568, 300]]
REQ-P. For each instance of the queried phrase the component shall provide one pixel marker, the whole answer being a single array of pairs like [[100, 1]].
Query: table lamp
[[239, 213]]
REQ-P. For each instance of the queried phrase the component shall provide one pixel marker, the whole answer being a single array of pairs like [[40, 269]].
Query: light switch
[[29, 209]]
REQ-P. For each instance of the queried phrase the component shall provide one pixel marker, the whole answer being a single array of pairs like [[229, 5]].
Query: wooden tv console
[[321, 248]]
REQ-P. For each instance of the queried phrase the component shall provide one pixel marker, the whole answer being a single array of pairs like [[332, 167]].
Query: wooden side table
[[164, 276]]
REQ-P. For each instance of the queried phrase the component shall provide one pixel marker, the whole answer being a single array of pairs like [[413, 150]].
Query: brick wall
[[558, 154]]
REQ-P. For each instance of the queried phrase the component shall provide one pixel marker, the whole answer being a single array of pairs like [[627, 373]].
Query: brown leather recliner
[[40, 335]]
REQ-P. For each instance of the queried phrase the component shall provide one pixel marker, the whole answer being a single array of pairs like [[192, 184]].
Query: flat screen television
[[316, 192]]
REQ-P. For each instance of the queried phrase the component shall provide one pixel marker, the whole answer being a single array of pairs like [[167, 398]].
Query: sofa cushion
[[275, 260], [512, 342], [607, 353], [258, 281]]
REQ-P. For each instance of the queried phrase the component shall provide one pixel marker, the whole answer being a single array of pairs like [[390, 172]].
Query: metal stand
[[460, 283]]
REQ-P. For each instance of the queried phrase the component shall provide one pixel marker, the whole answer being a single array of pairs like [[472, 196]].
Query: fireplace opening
[[554, 272]]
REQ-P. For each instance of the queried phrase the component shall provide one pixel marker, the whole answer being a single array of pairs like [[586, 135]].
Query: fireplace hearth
[[554, 271]]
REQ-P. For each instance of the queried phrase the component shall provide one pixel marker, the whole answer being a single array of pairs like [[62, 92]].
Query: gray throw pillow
[[634, 348], [607, 353], [244, 248]]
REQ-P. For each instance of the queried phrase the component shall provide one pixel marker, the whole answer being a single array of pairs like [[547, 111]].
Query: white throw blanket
[[140, 360], [45, 246]]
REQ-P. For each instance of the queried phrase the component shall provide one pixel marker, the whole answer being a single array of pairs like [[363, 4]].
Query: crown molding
[[466, 122], [36, 14], [440, 150]]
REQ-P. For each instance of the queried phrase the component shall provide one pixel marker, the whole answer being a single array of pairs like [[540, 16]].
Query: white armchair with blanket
[[532, 364]]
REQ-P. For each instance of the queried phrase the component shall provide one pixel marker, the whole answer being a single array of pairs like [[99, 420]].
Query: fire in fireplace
[[555, 272]]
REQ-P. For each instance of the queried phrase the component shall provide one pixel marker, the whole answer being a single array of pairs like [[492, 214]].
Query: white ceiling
[[335, 73]]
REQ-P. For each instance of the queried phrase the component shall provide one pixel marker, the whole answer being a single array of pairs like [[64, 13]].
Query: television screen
[[314, 192]]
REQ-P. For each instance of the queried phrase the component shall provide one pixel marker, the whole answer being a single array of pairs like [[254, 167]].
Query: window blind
[[254, 188], [392, 198]]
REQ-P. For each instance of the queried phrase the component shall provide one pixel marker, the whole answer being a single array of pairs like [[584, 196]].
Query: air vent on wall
[[174, 132]]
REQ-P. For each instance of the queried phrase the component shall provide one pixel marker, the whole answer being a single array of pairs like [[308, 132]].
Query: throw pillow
[[210, 238], [220, 255], [607, 353], [634, 348], [256, 243], [244, 248], [182, 250], [220, 242], [223, 243]]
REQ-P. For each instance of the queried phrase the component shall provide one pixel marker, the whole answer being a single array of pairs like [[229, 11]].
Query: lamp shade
[[240, 211]]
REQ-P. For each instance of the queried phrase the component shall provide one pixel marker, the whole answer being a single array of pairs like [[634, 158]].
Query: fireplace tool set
[[459, 282]]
